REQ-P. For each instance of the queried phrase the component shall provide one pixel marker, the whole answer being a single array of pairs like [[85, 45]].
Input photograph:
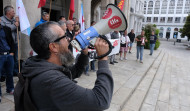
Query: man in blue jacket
[[52, 71], [45, 18]]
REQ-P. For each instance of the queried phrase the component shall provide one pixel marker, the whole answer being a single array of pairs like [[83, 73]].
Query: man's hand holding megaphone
[[101, 47]]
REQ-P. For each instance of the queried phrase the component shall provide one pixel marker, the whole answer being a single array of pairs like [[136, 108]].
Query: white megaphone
[[112, 20]]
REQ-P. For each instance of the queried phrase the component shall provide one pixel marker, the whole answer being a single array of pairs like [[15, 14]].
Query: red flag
[[72, 9], [42, 3], [121, 4]]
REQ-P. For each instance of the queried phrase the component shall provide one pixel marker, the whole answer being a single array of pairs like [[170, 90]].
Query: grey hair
[[7, 9], [44, 14], [61, 23], [68, 22], [41, 37]]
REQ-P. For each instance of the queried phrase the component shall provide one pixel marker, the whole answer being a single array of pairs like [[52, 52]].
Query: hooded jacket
[[52, 89]]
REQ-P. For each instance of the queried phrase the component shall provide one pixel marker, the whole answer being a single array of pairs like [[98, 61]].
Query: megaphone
[[112, 20]]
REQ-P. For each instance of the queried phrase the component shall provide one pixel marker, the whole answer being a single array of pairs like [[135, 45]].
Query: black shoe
[[150, 54], [112, 63], [115, 61], [2, 79], [129, 51], [75, 81]]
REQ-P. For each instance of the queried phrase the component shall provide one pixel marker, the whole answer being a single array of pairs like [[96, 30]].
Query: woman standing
[[124, 45]]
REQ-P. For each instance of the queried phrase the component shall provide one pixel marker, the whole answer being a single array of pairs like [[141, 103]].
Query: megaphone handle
[[110, 47]]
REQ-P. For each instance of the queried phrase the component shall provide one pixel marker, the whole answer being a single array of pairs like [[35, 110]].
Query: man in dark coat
[[132, 38], [6, 57], [70, 33]]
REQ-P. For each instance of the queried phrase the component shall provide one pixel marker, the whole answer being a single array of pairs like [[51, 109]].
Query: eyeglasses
[[58, 39]]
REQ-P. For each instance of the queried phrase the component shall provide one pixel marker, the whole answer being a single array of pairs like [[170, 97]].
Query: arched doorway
[[175, 34], [1, 8], [161, 32], [168, 32]]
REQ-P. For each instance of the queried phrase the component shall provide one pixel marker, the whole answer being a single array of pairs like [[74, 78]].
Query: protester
[[92, 62], [63, 25], [6, 57], [70, 32], [153, 39], [76, 30], [124, 45], [132, 38], [11, 22], [114, 35], [62, 18], [45, 18], [141, 39], [51, 86]]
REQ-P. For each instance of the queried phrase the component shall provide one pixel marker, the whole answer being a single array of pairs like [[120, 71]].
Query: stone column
[[126, 11], [104, 3], [112, 1], [87, 12]]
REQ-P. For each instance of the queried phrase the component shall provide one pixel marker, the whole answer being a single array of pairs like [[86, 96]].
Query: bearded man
[[52, 71]]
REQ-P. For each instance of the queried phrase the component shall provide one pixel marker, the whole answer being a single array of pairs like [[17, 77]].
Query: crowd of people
[[51, 67]]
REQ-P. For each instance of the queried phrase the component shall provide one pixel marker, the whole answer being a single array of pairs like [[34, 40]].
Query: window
[[162, 19], [144, 4], [164, 7], [179, 7], [150, 7], [177, 19], [150, 4], [155, 19], [184, 19], [170, 19], [187, 7], [171, 7], [157, 7], [148, 19]]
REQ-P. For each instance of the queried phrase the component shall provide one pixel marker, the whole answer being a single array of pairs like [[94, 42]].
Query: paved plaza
[[161, 83]]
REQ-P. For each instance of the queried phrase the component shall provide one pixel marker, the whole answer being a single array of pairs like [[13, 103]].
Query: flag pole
[[17, 20], [50, 9]]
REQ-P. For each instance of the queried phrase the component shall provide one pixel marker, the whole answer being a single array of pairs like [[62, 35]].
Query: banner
[[81, 19], [121, 4], [41, 3], [24, 22], [115, 50]]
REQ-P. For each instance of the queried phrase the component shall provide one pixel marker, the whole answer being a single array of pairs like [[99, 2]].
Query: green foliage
[[185, 31], [148, 30]]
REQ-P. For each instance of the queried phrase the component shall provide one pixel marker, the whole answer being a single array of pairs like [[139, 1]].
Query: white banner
[[115, 50]]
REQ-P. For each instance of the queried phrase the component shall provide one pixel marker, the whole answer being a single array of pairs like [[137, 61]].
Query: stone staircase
[[145, 90]]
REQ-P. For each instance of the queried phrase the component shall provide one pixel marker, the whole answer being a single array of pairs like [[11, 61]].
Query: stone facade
[[93, 10]]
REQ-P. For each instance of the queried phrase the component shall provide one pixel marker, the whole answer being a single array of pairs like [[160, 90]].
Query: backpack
[[22, 97]]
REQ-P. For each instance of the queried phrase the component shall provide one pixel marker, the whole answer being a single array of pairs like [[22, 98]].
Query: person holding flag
[[9, 20]]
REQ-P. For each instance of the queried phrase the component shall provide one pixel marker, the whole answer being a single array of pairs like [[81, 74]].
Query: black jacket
[[9, 38], [70, 35], [53, 90], [131, 36]]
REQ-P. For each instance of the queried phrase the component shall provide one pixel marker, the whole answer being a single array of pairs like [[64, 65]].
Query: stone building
[[168, 15], [93, 10]]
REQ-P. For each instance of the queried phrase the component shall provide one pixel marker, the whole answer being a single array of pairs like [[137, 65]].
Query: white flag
[[81, 19], [24, 22]]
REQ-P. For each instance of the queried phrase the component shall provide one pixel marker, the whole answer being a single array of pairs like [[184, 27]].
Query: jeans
[[92, 66], [152, 48], [112, 58], [8, 62], [140, 50]]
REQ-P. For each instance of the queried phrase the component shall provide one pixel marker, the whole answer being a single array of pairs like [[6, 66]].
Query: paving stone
[[147, 107], [113, 107], [184, 100], [161, 106], [144, 85], [183, 108], [173, 108], [118, 99], [164, 93], [132, 82], [152, 96]]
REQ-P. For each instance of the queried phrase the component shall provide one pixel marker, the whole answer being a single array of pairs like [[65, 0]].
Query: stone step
[[151, 99], [128, 88], [134, 102]]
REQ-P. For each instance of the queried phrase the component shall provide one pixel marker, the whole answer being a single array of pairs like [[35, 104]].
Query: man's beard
[[66, 58]]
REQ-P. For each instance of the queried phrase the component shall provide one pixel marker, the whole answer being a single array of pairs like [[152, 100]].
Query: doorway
[[167, 35], [1, 8], [55, 14]]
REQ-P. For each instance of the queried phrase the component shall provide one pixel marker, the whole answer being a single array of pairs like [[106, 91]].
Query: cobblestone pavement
[[161, 83]]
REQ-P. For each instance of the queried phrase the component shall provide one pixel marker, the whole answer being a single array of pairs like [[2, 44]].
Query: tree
[[185, 31], [148, 31]]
